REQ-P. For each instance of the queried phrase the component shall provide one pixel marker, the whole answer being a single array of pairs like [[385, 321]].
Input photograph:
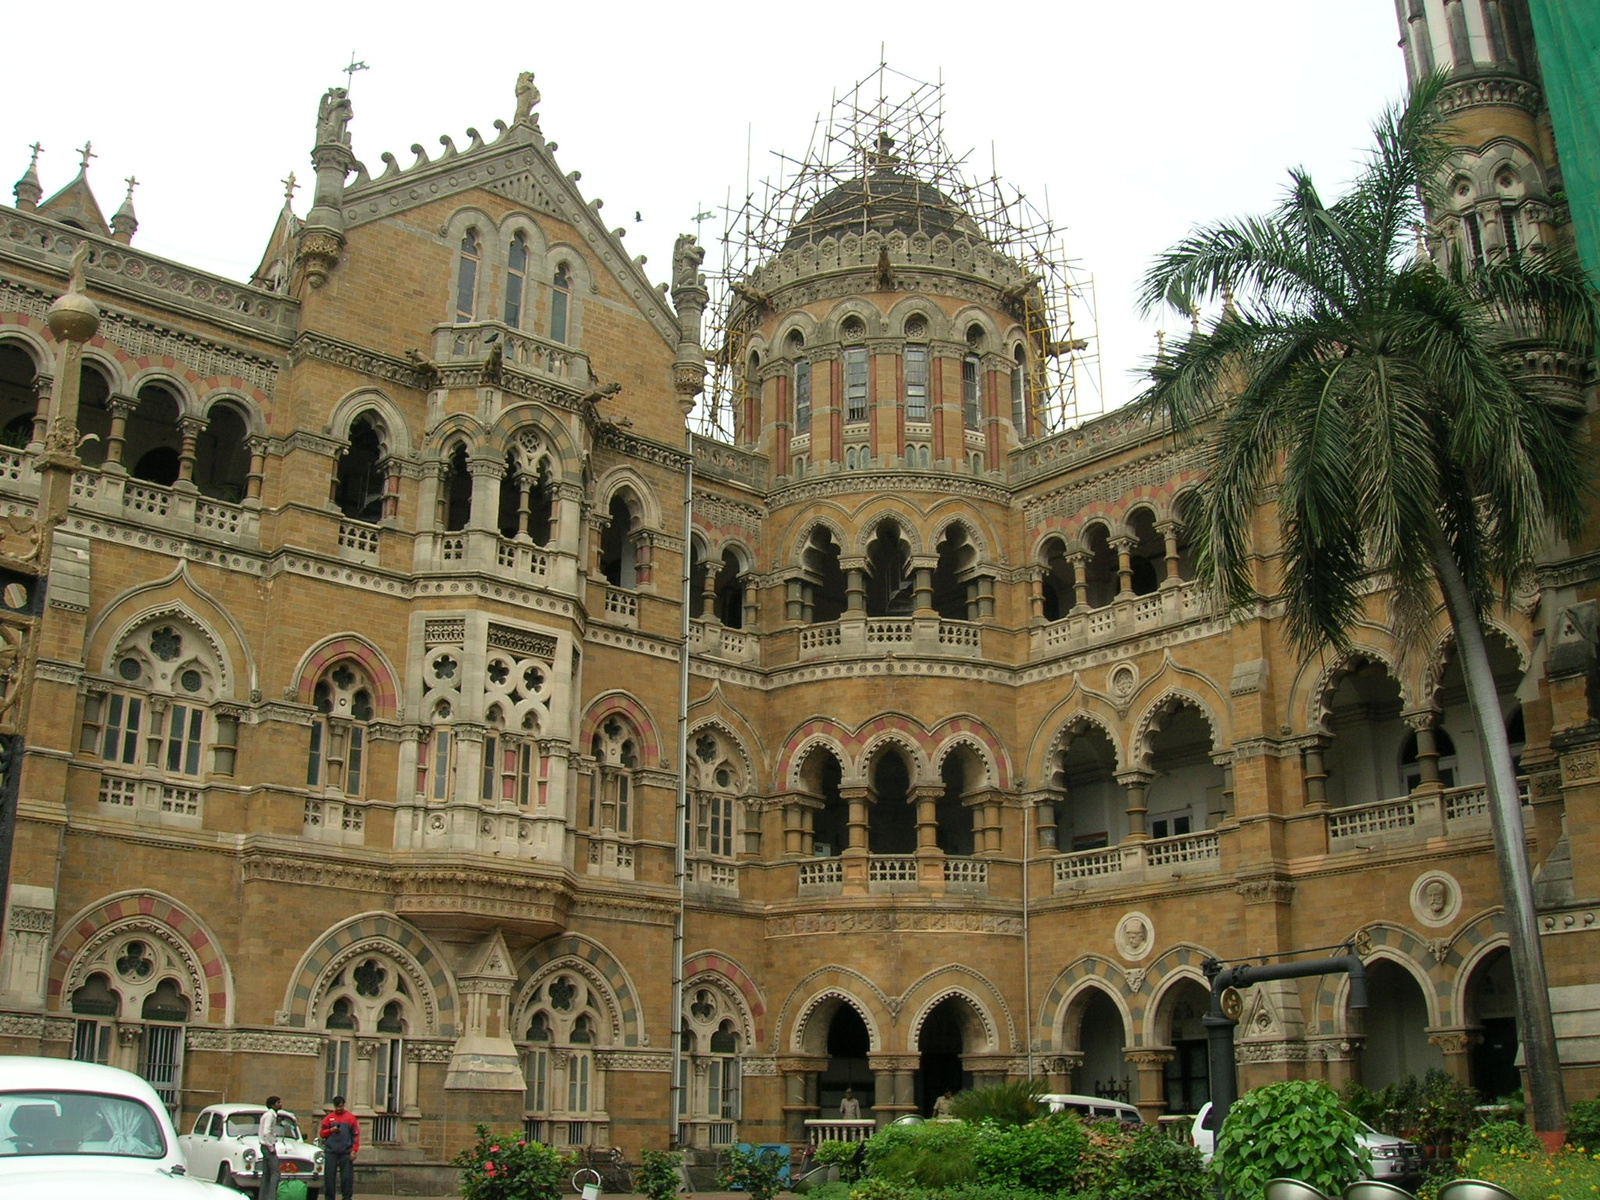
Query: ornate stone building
[[353, 708]]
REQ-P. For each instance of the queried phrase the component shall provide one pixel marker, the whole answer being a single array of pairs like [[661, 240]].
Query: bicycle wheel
[[585, 1177]]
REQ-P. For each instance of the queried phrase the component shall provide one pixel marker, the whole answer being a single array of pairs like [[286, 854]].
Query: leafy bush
[[1013, 1103], [938, 1154], [657, 1176], [1152, 1166], [1044, 1155], [752, 1171], [1571, 1174], [1502, 1137], [844, 1155], [990, 1191], [506, 1166], [1583, 1125], [1294, 1129], [881, 1189]]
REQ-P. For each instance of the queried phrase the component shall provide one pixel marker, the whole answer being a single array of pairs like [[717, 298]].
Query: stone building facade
[[352, 709]]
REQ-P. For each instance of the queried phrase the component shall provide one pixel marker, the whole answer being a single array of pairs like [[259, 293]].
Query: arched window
[[510, 763], [711, 1045], [971, 391], [802, 382], [94, 416], [559, 1043], [714, 781], [456, 490], [560, 301], [18, 401], [889, 590], [358, 487], [153, 445], [96, 1006], [1019, 393], [516, 278], [369, 999], [615, 754], [436, 753], [142, 975], [467, 277], [619, 555], [855, 383], [337, 758], [221, 456]]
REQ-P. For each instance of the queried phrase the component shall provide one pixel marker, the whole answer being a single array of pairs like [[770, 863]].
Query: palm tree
[[1375, 386]]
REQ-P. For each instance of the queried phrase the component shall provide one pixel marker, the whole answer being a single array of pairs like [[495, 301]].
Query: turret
[[123, 222], [27, 189]]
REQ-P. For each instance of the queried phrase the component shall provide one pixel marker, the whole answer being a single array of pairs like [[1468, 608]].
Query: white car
[[1393, 1160], [1091, 1108], [224, 1145], [78, 1131]]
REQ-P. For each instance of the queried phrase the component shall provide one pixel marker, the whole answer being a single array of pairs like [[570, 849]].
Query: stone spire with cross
[[123, 221], [28, 189]]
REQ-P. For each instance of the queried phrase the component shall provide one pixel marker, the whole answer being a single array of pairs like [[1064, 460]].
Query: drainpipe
[[680, 866], [1030, 824]]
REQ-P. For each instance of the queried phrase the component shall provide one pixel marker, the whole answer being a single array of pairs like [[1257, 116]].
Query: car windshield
[[51, 1122], [242, 1123]]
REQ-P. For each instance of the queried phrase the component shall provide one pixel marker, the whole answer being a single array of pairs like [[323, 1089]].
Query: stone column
[[926, 799], [189, 429], [1044, 820], [858, 799], [258, 470], [799, 824], [486, 472], [985, 599], [1316, 775], [1150, 1067], [922, 590], [1136, 783], [893, 1086], [43, 385], [1061, 1070], [708, 590], [1422, 724], [525, 486], [1080, 582], [1036, 596], [121, 409], [855, 587], [1169, 534], [794, 603], [800, 1076], [1456, 1044], [1124, 548], [1224, 809]]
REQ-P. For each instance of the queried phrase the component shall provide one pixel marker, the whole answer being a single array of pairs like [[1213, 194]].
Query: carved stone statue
[[75, 271], [527, 97], [687, 255], [333, 116]]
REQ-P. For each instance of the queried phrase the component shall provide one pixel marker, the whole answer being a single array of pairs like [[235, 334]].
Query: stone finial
[[123, 222], [74, 317], [527, 98], [28, 190], [333, 117]]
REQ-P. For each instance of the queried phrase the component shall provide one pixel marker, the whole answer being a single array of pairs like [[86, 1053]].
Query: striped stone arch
[[387, 934], [720, 724], [1399, 945], [968, 985], [823, 731], [373, 664], [1320, 694], [815, 989], [969, 731], [906, 740], [1091, 972], [1166, 971], [595, 961], [709, 963], [1471, 945], [1170, 699], [619, 702], [1080, 715], [1437, 659], [154, 915], [905, 519]]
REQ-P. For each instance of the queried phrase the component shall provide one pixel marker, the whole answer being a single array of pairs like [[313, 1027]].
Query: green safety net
[[1568, 36]]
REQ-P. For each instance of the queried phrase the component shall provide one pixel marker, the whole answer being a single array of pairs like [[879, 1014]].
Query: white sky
[[1138, 118]]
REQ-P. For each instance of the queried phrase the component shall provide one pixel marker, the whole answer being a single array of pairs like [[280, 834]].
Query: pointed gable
[[75, 205]]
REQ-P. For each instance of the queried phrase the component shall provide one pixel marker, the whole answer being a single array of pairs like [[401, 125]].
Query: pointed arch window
[[369, 1000], [516, 277], [359, 481], [1019, 394], [615, 754], [560, 301], [467, 276], [336, 760]]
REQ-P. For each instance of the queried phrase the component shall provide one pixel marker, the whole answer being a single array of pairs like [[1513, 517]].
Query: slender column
[[926, 799], [42, 387], [525, 485], [1080, 582], [1136, 783], [1169, 534], [1150, 1067], [794, 603], [486, 474], [1423, 725], [985, 599], [121, 409], [800, 1076], [858, 799], [1316, 776], [1224, 808], [258, 469], [1036, 597], [923, 590], [856, 588], [1124, 549], [708, 591], [189, 429], [1456, 1045]]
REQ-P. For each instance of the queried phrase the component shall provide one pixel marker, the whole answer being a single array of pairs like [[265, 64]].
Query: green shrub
[[753, 1171], [1044, 1155], [1295, 1129], [505, 1166], [1571, 1174], [844, 1155], [1012, 1103], [657, 1177], [1498, 1137], [936, 1155], [990, 1191], [827, 1191], [1152, 1166], [881, 1189], [1583, 1125]]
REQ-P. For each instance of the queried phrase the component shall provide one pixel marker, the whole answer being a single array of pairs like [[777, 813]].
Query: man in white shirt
[[267, 1131]]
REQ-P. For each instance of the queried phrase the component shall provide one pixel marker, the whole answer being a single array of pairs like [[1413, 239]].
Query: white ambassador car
[[224, 1146], [1392, 1160], [78, 1131]]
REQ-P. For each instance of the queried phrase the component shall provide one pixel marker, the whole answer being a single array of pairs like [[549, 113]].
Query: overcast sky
[[1137, 119]]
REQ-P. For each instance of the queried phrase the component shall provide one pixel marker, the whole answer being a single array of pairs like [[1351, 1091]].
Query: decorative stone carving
[[1135, 978], [1435, 898], [333, 117], [1135, 936], [1266, 891], [527, 99]]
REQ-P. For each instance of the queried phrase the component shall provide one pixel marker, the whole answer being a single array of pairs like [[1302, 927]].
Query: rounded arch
[[1155, 715], [510, 434], [1321, 686], [31, 343], [394, 432], [174, 611], [792, 322], [876, 513], [1079, 719], [797, 753], [1157, 1028], [426, 970], [171, 381], [596, 964], [91, 930], [977, 536], [736, 740], [887, 741], [808, 1029], [985, 1002], [710, 966], [372, 661], [831, 327], [621, 478], [633, 711], [801, 539], [969, 732], [244, 406], [917, 304], [965, 318], [1390, 943]]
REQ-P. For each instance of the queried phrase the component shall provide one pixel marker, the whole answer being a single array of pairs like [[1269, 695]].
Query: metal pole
[[680, 858]]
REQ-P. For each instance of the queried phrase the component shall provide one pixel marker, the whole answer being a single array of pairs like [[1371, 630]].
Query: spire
[[27, 189], [75, 204], [123, 222]]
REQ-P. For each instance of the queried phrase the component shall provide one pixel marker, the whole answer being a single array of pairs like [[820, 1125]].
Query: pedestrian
[[341, 1141], [267, 1133], [850, 1107], [941, 1106]]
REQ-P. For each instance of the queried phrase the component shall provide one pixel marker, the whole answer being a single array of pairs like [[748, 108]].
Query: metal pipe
[[680, 857]]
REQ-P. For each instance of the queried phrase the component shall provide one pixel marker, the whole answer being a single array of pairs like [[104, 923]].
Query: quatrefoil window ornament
[[532, 680], [135, 961], [498, 672], [613, 729], [444, 667], [561, 993], [706, 747], [702, 1008], [369, 978], [343, 676], [165, 643]]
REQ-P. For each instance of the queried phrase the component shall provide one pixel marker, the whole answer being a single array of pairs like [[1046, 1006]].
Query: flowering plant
[[506, 1166]]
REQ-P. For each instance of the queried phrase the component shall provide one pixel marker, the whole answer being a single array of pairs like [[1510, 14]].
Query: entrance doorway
[[940, 1044]]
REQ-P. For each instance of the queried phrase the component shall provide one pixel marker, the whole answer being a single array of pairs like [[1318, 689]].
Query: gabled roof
[[75, 205]]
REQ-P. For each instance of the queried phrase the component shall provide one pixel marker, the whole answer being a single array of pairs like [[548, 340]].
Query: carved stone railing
[[181, 512], [1146, 861], [1122, 618], [716, 640], [522, 561], [1187, 848], [967, 874], [621, 606], [821, 873], [474, 342], [907, 637], [1457, 811], [359, 540], [839, 1131]]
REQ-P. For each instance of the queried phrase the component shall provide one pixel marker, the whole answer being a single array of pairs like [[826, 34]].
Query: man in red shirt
[[341, 1139]]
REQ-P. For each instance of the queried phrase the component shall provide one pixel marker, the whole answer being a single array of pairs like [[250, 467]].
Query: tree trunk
[[1536, 1028]]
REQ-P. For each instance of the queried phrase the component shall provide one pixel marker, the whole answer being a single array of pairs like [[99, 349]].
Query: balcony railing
[[473, 344], [359, 538], [622, 606], [821, 872], [1419, 815], [1122, 617], [933, 637], [522, 561], [1136, 862]]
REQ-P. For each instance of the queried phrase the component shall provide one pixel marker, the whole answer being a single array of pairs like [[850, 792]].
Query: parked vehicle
[[1092, 1108], [79, 1131], [224, 1145], [1393, 1160]]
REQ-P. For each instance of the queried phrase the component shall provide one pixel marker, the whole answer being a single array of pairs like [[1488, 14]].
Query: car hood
[[68, 1179]]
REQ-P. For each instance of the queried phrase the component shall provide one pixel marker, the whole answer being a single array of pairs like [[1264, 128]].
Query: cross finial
[[350, 71], [289, 186], [88, 153], [132, 183], [34, 161], [702, 215]]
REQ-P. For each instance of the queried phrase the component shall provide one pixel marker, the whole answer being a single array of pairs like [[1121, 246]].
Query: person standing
[[850, 1107], [341, 1141], [267, 1133], [942, 1106]]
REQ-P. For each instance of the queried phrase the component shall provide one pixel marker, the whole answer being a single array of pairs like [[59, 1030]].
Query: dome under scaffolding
[[880, 167]]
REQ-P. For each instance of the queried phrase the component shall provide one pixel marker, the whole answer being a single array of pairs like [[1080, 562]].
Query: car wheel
[[225, 1177]]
